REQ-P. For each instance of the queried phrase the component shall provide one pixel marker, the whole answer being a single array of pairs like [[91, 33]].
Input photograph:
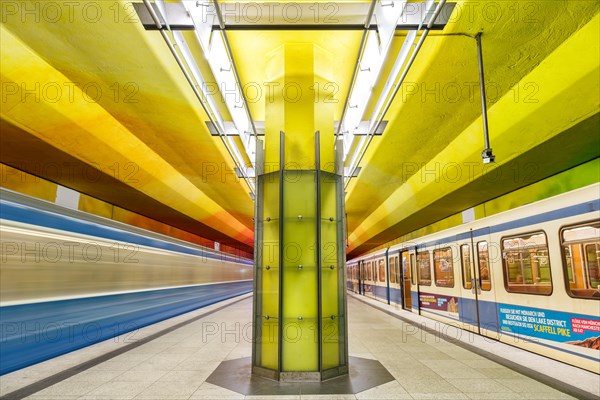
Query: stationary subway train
[[528, 277], [70, 279]]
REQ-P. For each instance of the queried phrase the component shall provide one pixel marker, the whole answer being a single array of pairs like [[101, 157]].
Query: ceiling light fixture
[[393, 84], [216, 49], [374, 50], [215, 46]]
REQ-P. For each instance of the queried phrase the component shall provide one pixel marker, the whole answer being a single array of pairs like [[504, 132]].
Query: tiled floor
[[176, 365]]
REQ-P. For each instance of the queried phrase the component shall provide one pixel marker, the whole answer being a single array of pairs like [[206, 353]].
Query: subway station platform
[[179, 358], [161, 159]]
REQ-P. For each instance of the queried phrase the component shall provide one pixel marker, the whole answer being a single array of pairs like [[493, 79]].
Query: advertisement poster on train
[[575, 329], [439, 302]]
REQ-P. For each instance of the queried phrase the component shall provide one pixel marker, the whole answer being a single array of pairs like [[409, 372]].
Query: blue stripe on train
[[488, 313], [31, 333], [395, 295], [380, 292], [517, 338], [570, 211], [488, 317], [414, 297], [30, 215]]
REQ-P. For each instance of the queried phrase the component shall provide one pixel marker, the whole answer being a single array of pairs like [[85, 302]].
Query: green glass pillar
[[299, 297]]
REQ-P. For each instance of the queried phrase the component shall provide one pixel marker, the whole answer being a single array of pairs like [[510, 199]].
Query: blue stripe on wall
[[31, 333]]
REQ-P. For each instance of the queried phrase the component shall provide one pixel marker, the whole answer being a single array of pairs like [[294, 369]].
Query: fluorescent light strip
[[206, 98], [400, 60], [393, 77], [378, 114], [193, 67], [213, 45], [371, 61]]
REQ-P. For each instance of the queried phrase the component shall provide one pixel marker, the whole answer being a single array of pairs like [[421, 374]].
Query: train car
[[528, 277], [399, 266], [352, 276], [71, 279], [373, 275]]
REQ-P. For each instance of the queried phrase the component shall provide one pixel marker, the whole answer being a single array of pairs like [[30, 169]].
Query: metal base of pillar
[[236, 375], [300, 377]]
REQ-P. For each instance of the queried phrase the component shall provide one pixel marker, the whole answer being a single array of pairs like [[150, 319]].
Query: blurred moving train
[[70, 279], [528, 277]]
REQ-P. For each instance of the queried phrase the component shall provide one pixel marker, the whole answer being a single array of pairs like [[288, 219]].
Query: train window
[[526, 264], [374, 269], [443, 268], [581, 253], [382, 270], [369, 271], [392, 262], [465, 258], [397, 269], [406, 266], [483, 255], [413, 268], [424, 267]]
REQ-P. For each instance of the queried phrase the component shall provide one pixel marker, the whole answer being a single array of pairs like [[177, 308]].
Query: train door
[[469, 314], [360, 276], [414, 283], [477, 307], [486, 252], [368, 278], [395, 279], [404, 279]]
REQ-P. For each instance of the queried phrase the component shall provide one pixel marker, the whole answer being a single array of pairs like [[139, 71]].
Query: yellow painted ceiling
[[145, 113], [535, 64], [438, 106]]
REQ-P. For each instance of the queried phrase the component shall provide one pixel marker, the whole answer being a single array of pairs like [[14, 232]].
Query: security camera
[[487, 156]]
